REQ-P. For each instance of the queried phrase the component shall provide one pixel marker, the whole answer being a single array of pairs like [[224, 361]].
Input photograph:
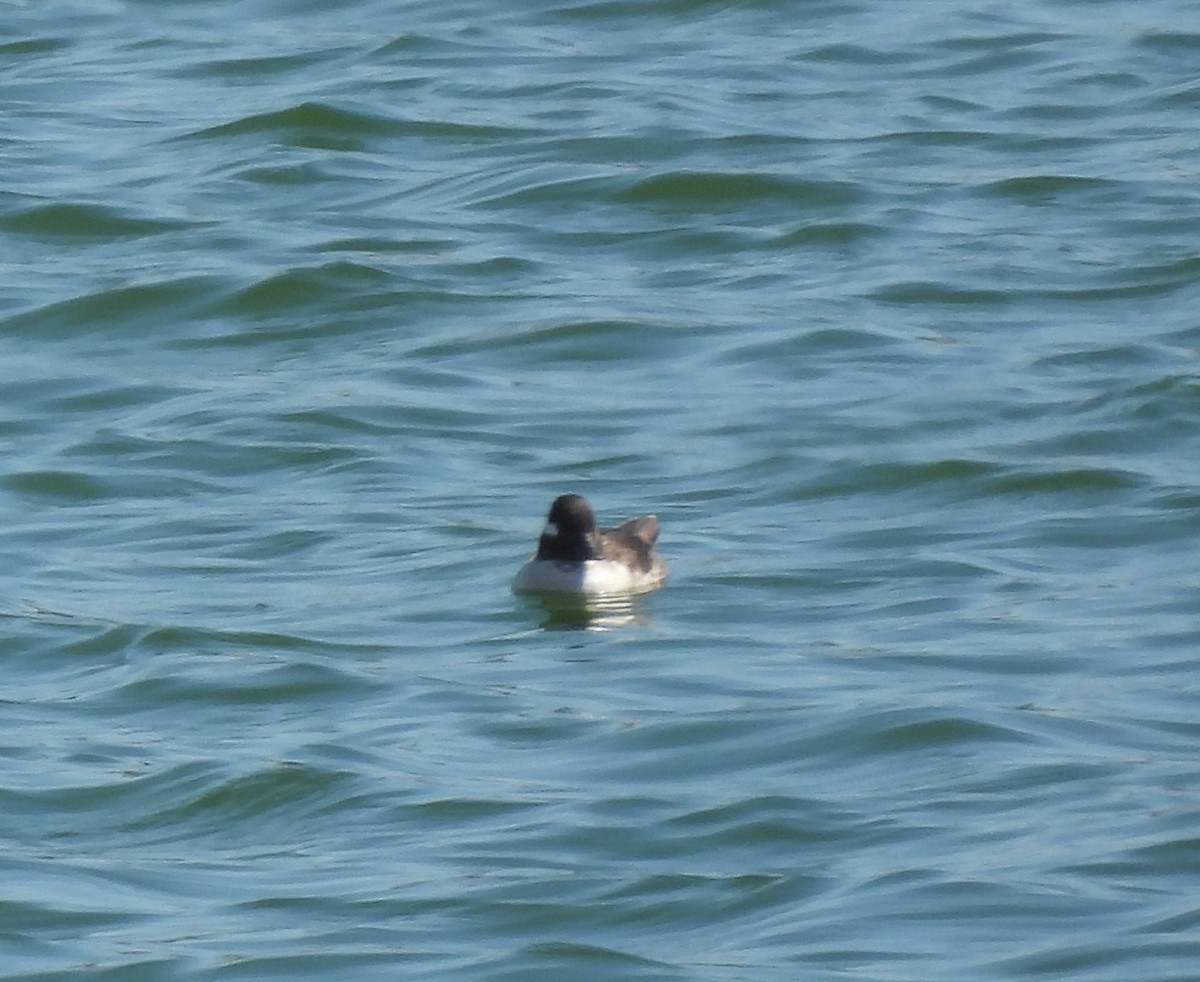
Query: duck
[[573, 556]]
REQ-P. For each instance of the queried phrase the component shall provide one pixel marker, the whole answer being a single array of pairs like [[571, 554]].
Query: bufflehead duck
[[573, 556]]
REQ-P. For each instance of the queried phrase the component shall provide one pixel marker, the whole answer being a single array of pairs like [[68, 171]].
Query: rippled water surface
[[888, 310]]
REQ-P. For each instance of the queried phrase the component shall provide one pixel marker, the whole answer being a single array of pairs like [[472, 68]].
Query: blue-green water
[[889, 310]]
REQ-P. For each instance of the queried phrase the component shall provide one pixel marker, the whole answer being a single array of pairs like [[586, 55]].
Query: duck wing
[[632, 542], [642, 529]]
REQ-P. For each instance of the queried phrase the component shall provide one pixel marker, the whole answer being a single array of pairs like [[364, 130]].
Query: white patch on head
[[551, 530]]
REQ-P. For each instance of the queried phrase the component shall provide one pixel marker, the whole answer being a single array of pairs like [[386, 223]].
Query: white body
[[594, 577]]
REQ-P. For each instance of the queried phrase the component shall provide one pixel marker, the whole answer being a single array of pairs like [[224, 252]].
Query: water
[[889, 312]]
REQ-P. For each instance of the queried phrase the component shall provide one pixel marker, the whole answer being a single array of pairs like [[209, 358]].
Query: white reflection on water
[[573, 612]]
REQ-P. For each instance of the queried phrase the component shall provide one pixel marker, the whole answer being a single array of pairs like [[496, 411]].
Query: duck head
[[570, 534]]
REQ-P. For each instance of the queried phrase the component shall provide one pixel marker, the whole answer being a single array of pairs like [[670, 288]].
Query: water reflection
[[572, 612]]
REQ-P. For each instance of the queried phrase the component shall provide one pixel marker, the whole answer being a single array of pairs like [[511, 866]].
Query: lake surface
[[890, 311]]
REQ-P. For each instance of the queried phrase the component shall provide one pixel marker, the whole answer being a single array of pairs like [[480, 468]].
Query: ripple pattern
[[887, 310]]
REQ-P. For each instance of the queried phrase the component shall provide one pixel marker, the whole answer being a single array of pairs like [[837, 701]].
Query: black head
[[570, 533]]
